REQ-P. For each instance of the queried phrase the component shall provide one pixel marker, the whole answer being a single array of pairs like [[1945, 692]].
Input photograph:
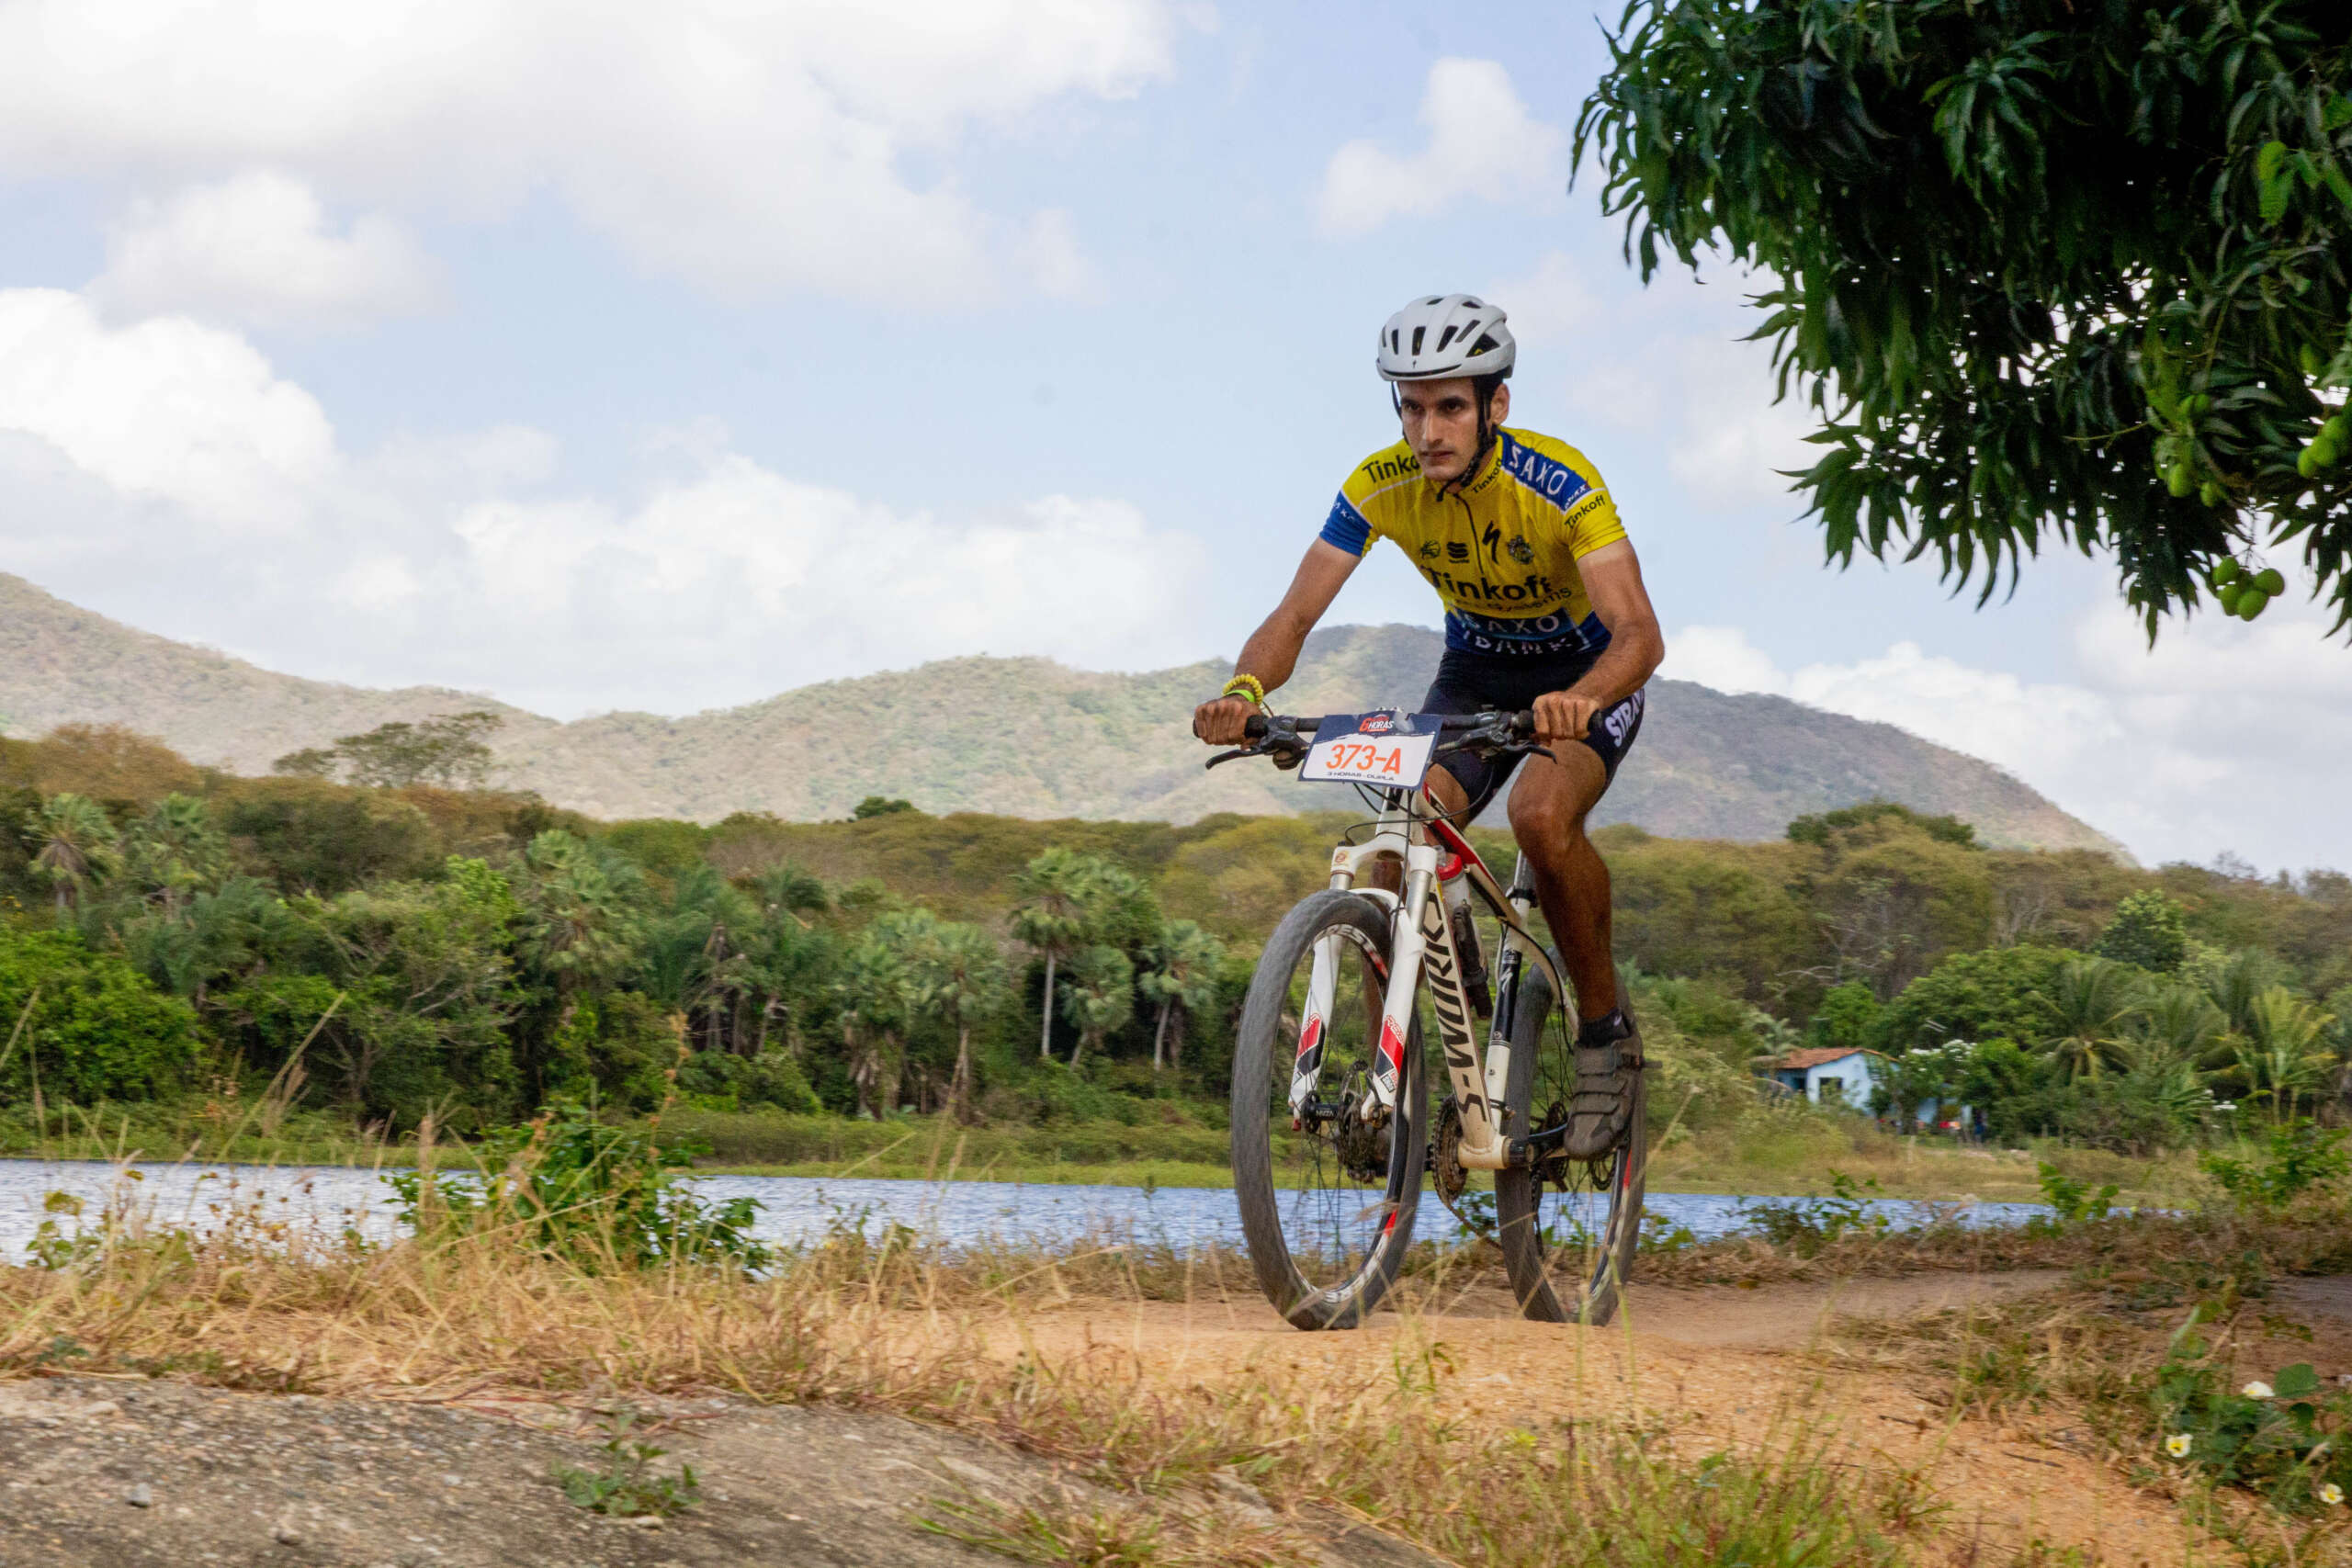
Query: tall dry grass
[[879, 1321]]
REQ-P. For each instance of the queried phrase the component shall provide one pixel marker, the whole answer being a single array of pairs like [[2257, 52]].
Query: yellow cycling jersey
[[1501, 550]]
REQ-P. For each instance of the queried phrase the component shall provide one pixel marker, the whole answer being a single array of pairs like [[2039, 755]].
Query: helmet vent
[[1447, 336], [1418, 332]]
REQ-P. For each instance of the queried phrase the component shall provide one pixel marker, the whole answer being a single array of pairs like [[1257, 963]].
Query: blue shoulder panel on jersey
[[1556, 482], [1346, 527]]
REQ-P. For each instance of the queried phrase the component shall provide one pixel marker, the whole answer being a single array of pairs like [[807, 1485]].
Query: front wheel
[[1568, 1228], [1326, 1191]]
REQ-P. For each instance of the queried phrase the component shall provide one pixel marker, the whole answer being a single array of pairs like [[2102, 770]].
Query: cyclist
[[1545, 609]]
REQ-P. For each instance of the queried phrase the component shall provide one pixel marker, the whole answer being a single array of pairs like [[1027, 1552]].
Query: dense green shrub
[[86, 1026], [2000, 993]]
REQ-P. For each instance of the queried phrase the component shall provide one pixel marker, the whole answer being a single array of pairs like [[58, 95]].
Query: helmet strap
[[1486, 432]]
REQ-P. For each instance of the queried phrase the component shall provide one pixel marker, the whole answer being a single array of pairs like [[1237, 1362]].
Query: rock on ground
[[104, 1473]]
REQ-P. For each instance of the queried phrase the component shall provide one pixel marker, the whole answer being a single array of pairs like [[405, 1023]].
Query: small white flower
[[2332, 1494], [2178, 1445], [2257, 1389]]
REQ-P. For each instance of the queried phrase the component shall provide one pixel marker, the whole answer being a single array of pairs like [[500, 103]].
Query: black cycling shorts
[[1469, 682]]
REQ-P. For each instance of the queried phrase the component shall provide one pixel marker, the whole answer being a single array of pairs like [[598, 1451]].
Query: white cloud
[[2217, 740], [258, 249], [1673, 360], [1483, 143], [141, 462], [750, 149], [1553, 304], [1050, 255], [167, 408], [1736, 445]]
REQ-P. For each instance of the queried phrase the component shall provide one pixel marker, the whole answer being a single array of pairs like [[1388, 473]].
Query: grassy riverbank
[[1177, 1445], [1778, 1155]]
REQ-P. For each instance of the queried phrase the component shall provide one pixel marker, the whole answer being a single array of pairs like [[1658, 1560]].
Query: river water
[[793, 1208]]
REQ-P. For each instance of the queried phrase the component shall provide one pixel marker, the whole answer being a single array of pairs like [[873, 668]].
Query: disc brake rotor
[[1555, 1167]]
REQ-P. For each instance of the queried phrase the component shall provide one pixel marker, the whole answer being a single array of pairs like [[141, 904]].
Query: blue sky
[[608, 356]]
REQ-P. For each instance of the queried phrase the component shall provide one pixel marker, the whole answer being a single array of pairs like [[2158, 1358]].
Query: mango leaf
[[2003, 255]]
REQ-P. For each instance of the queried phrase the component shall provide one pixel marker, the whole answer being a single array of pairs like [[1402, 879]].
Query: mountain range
[[1022, 737]]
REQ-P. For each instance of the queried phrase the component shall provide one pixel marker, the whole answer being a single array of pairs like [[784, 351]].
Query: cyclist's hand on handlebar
[[1221, 721], [1564, 716]]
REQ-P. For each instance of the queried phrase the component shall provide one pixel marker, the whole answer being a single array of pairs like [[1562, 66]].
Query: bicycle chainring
[[1445, 1157]]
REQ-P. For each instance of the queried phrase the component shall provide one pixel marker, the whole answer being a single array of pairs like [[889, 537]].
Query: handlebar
[[1520, 726], [1286, 738]]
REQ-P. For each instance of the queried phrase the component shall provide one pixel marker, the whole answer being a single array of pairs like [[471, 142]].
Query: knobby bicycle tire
[[1263, 1047], [1607, 1261]]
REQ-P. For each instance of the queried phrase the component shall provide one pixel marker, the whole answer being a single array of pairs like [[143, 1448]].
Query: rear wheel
[[1568, 1228], [1327, 1194]]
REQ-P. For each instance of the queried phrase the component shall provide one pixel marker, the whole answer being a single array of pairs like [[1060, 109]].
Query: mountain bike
[[1333, 1129]]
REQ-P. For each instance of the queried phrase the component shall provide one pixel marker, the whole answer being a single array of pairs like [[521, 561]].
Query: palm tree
[[958, 976], [1183, 982], [2096, 1000], [1053, 922], [1101, 996], [2234, 985], [584, 927], [2177, 1023], [77, 845], [872, 994], [2288, 1056], [785, 889], [174, 851]]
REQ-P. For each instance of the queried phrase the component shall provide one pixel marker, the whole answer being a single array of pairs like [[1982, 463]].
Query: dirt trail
[[125, 1473], [1714, 1368]]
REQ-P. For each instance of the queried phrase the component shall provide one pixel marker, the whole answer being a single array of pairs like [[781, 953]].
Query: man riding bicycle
[[1545, 609]]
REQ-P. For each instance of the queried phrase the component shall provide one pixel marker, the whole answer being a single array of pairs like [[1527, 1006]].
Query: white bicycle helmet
[[1446, 334]]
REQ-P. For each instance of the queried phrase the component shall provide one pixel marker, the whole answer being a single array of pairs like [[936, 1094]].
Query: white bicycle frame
[[1421, 939]]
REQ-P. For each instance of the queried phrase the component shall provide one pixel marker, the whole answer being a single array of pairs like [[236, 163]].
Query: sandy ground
[[1723, 1367]]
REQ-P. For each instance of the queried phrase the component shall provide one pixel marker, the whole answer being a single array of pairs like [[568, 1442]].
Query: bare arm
[[1272, 652], [1613, 578]]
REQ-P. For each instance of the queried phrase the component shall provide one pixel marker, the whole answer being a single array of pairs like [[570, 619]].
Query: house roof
[[1820, 1055]]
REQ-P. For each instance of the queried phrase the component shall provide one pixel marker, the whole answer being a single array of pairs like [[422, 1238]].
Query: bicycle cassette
[[1360, 1143]]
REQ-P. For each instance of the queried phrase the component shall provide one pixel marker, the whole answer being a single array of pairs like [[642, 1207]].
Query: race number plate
[[1390, 748]]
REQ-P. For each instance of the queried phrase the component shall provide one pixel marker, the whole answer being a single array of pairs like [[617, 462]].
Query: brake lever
[[1286, 756]]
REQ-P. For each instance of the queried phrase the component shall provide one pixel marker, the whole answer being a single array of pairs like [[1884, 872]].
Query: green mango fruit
[[2250, 603], [2224, 571], [2338, 431], [2227, 597], [2209, 493], [2306, 462], [2180, 480], [2270, 581], [2325, 452]]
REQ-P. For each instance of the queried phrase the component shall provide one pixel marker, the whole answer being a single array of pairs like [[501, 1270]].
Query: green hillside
[[1016, 736]]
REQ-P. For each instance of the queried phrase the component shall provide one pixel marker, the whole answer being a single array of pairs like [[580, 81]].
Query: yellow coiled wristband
[[1246, 686]]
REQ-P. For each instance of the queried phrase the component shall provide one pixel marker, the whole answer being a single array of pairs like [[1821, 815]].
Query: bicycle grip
[[1254, 726], [1523, 721]]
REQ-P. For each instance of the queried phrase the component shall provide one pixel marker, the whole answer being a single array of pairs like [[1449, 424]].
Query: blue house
[[1830, 1075]]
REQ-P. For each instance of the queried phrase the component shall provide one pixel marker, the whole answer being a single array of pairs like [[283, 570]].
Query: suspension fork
[[1411, 941]]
